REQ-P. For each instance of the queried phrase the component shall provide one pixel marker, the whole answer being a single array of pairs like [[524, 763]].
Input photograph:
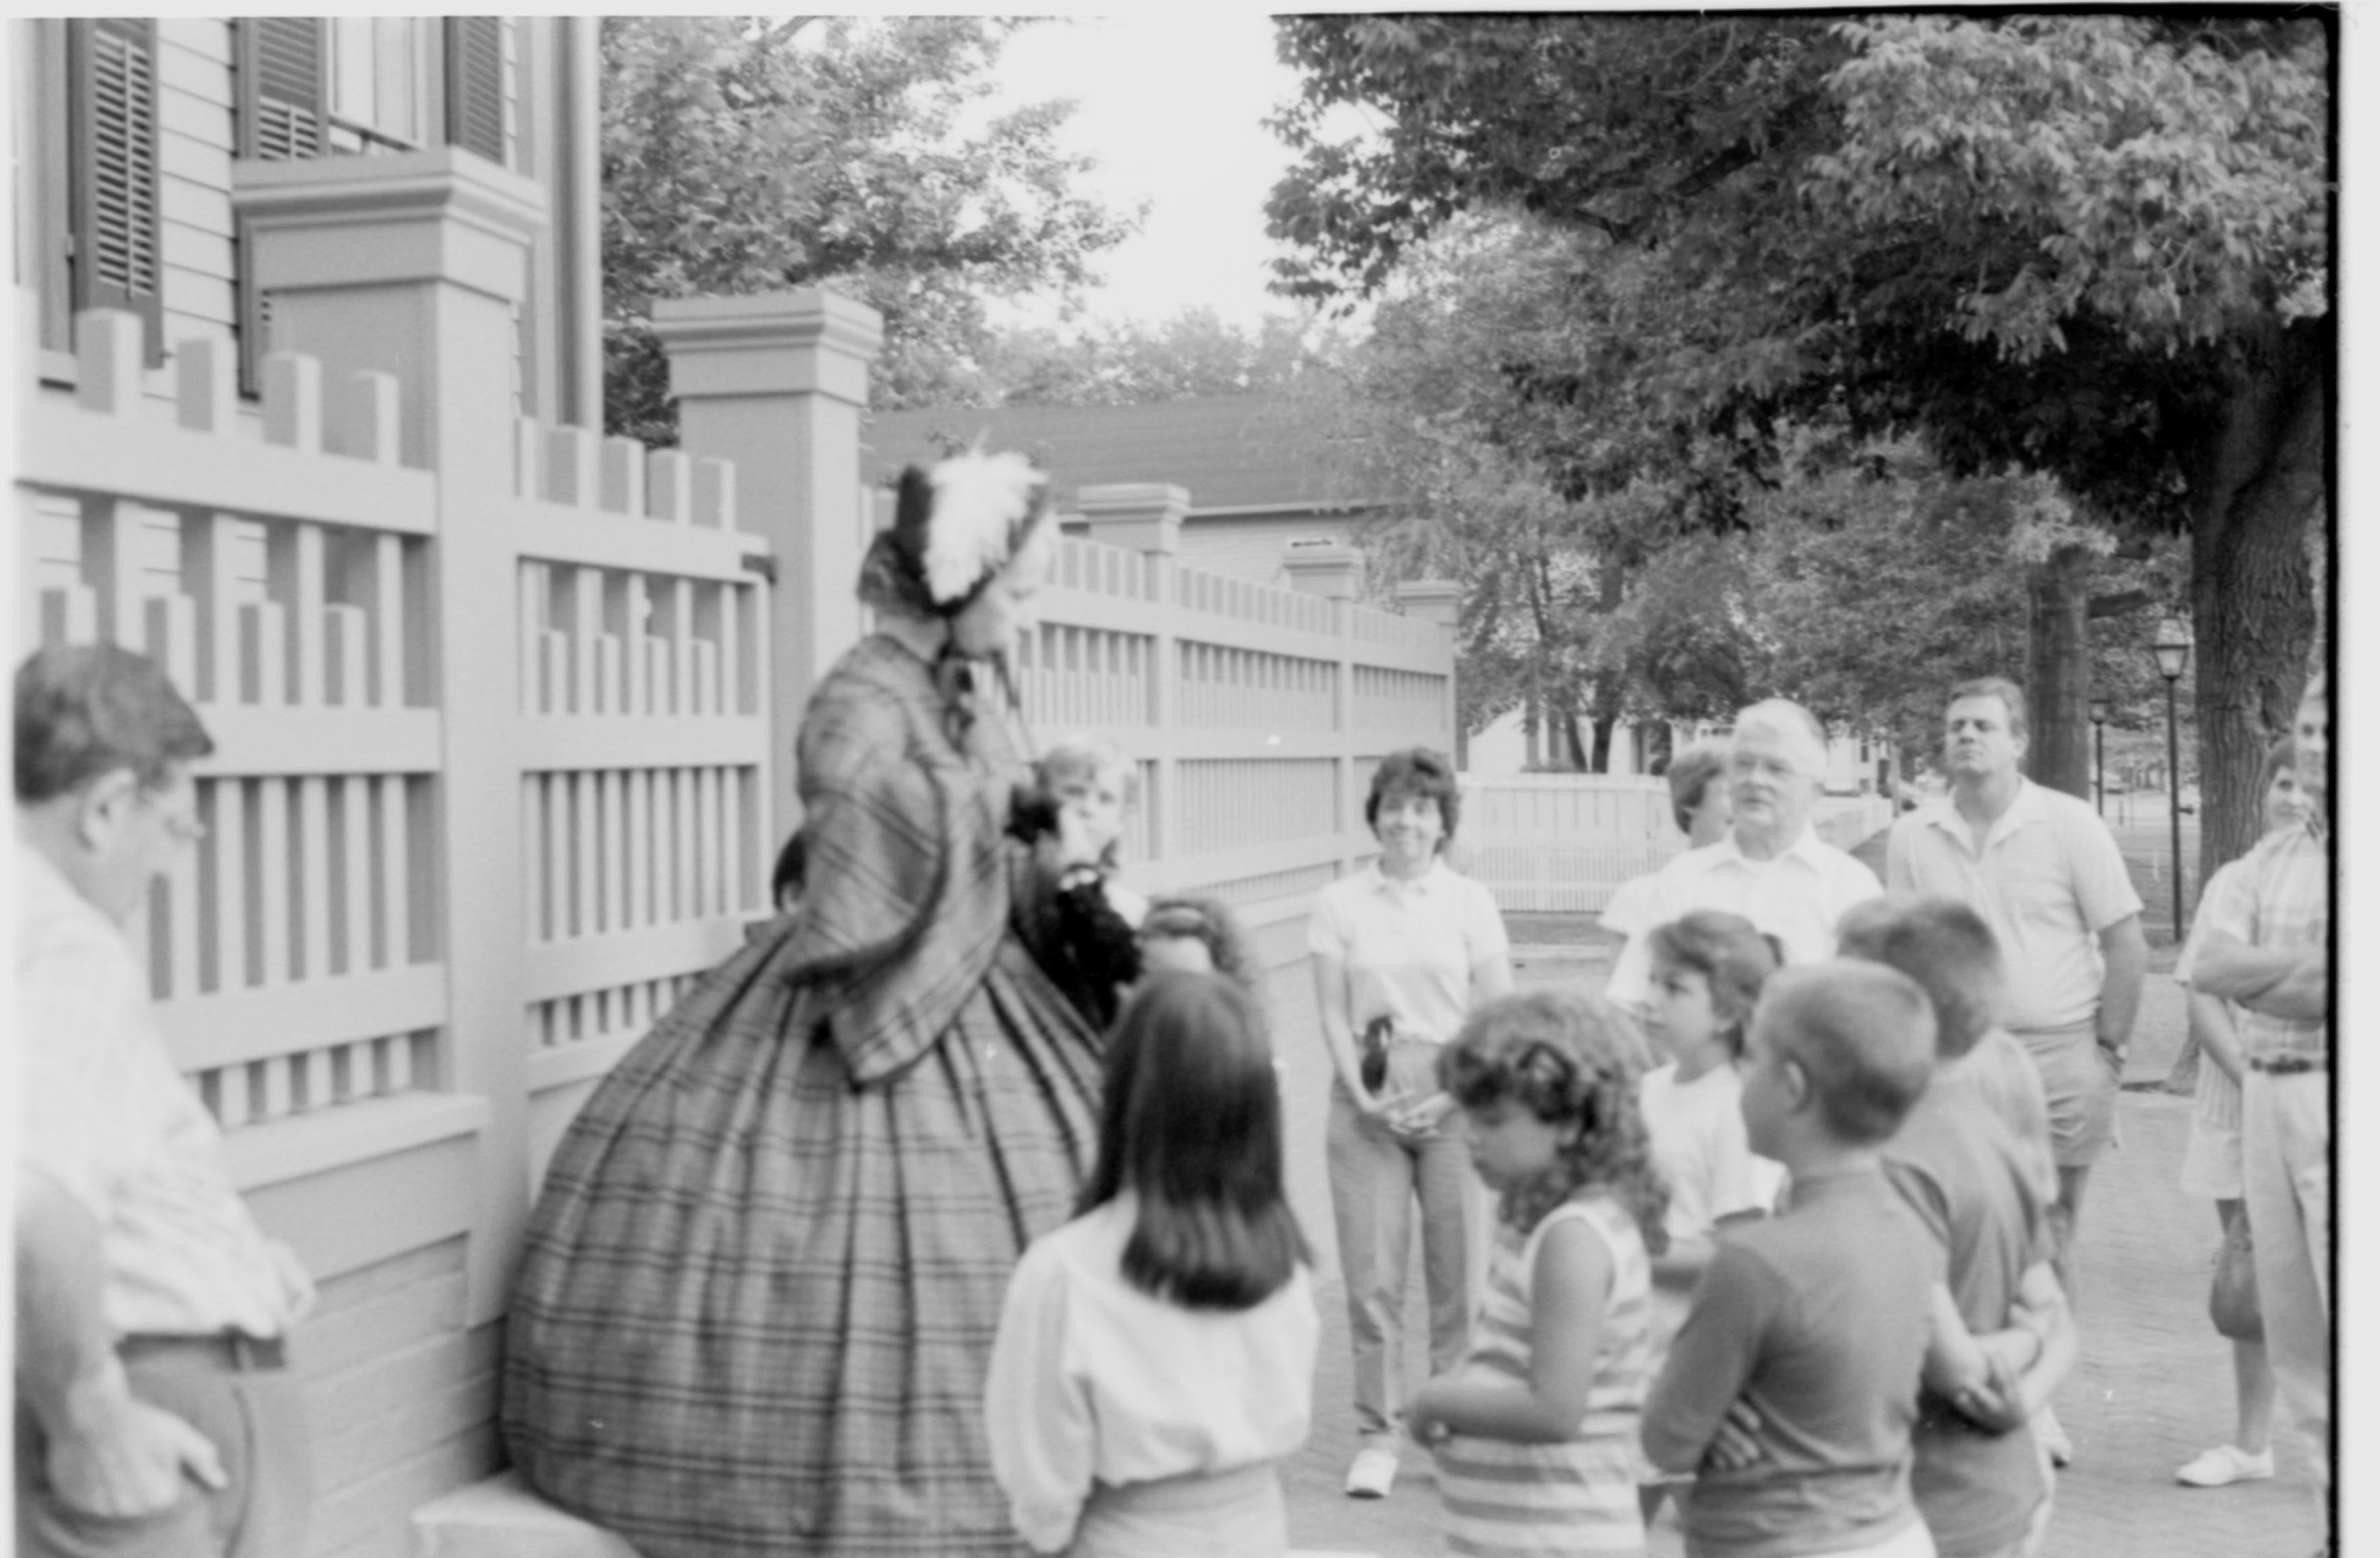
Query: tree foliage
[[749, 155], [1135, 362], [2088, 244]]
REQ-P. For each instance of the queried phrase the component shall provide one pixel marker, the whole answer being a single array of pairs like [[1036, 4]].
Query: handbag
[[2231, 1301]]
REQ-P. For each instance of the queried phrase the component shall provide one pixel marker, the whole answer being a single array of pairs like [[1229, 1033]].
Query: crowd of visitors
[[948, 1215]]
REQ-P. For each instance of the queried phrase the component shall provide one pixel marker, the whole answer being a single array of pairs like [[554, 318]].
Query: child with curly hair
[[1534, 1428]]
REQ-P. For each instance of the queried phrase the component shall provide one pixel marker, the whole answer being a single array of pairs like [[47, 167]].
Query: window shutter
[[279, 114], [112, 84], [475, 85]]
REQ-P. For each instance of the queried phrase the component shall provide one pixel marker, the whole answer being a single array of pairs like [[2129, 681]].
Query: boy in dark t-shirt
[[1980, 1481], [1818, 1320]]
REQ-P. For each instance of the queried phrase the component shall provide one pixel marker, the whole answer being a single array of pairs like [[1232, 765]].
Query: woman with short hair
[[1402, 950]]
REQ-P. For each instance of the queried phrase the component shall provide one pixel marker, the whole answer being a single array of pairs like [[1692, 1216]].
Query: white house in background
[[1251, 491]]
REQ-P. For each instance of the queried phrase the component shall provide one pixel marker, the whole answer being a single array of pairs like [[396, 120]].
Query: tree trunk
[[1600, 761], [1574, 749], [1656, 744], [2058, 673], [2256, 486]]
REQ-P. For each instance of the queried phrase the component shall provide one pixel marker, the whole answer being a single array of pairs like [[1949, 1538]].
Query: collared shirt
[[109, 1120], [2048, 878], [2286, 903], [1092, 1381], [1409, 946], [1796, 896]]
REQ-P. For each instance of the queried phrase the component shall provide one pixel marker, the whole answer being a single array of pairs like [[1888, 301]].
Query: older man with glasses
[[155, 1415], [1770, 866]]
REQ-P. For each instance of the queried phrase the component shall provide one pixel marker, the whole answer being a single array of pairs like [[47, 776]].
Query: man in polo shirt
[[2045, 873], [1772, 868], [153, 1413], [2267, 945]]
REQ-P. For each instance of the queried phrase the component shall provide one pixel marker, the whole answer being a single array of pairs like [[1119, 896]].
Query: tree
[[1550, 492], [2091, 245], [1877, 583], [748, 156], [1195, 352]]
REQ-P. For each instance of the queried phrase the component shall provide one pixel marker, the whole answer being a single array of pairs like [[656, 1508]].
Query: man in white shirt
[[2045, 874], [1772, 868], [155, 1415]]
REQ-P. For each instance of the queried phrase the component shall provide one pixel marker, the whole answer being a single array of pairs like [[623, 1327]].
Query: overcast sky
[[1173, 103]]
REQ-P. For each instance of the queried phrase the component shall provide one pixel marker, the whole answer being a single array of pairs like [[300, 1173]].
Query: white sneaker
[[1373, 1473], [2224, 1464]]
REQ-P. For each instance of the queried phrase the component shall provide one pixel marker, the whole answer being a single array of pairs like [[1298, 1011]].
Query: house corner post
[[413, 265], [1146, 516], [1439, 601], [777, 383]]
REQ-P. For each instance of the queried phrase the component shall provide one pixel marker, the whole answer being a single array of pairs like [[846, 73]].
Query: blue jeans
[[1376, 1177]]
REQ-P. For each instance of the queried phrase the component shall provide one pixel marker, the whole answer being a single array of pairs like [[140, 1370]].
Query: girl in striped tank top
[[1535, 1430]]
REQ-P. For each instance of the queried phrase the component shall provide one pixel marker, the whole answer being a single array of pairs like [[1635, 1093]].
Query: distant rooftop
[[1231, 451]]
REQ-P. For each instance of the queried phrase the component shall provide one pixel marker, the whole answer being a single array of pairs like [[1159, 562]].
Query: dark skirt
[[756, 1305]]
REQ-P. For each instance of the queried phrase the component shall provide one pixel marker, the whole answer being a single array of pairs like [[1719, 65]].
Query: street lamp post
[[2099, 754], [2171, 647]]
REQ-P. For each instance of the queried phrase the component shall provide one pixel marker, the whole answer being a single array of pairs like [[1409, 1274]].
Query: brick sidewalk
[[2154, 1386]]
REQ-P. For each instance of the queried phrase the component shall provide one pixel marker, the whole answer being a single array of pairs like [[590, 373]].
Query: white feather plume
[[978, 499]]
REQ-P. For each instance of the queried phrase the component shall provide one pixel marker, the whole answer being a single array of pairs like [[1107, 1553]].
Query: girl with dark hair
[[1536, 1430], [1156, 1355], [760, 1287]]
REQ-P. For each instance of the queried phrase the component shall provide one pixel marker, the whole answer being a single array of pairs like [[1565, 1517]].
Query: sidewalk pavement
[[2154, 1386]]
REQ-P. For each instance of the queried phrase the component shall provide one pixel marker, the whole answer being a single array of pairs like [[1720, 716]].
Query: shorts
[[2079, 1079]]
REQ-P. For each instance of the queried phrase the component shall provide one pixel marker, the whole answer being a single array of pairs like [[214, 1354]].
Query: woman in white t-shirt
[[1402, 950], [1707, 970]]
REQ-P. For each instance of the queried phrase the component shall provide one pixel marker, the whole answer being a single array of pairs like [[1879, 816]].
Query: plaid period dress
[[760, 1286]]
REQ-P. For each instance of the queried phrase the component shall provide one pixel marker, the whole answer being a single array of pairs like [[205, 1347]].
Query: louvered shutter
[[280, 105], [278, 116], [475, 85], [112, 83]]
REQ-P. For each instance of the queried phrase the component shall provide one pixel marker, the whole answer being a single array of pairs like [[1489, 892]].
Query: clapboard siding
[[195, 203], [206, 37], [194, 141], [196, 251]]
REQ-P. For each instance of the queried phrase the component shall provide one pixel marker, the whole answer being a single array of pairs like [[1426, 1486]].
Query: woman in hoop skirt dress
[[760, 1286]]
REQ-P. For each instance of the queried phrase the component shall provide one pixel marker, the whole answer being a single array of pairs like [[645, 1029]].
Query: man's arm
[[2127, 955], [109, 1452]]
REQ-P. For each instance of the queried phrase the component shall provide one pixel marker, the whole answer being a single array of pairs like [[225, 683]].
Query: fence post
[[1146, 516], [777, 383], [411, 265], [1439, 601], [1329, 569]]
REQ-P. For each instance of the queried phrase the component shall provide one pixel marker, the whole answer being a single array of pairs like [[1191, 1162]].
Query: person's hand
[[1415, 1119], [124, 1458], [1737, 1442]]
